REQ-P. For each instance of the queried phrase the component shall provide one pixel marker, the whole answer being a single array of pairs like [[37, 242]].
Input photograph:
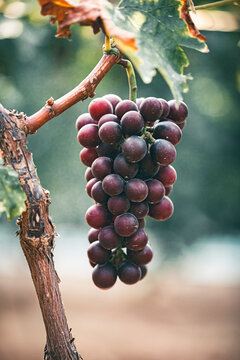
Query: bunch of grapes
[[128, 148]]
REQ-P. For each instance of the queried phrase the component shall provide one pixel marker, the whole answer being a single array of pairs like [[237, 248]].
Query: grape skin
[[97, 216], [162, 210], [163, 152], [84, 119], [141, 257], [136, 190], [125, 106], [178, 111], [98, 194], [113, 184], [134, 149], [101, 167], [126, 224], [118, 204], [167, 130], [88, 136], [132, 123], [151, 109], [140, 209], [108, 238], [129, 273], [88, 155], [104, 276], [167, 175], [93, 235], [99, 107], [122, 167], [137, 241], [110, 133], [97, 254]]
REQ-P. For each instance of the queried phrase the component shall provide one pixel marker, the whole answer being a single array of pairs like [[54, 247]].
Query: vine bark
[[36, 230]]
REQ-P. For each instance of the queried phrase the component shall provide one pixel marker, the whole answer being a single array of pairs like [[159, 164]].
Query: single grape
[[156, 191], [99, 107], [182, 125], [178, 111], [97, 216], [167, 130], [140, 210], [142, 223], [118, 204], [97, 254], [151, 109], [113, 184], [104, 276], [110, 133], [141, 257], [139, 101], [98, 194], [167, 175], [122, 167], [136, 190], [132, 123], [129, 273], [163, 152], [147, 167], [106, 118], [93, 235], [125, 106], [126, 224], [89, 186], [168, 190], [143, 271], [88, 174], [165, 108], [113, 99], [88, 155], [137, 241], [107, 150], [108, 238], [88, 136], [134, 149], [84, 119], [101, 167], [163, 210]]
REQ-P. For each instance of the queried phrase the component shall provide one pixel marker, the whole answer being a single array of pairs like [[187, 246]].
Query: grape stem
[[215, 4], [85, 89], [132, 83], [107, 43]]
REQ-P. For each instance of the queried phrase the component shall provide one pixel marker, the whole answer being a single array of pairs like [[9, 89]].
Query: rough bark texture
[[37, 237]]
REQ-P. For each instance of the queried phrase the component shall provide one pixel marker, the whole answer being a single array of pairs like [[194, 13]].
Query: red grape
[[141, 257], [93, 235], [106, 118], [89, 186], [113, 184], [88, 155], [122, 167], [134, 148], [99, 107], [167, 130], [88, 136], [163, 152], [110, 132], [132, 123], [140, 210], [104, 276], [126, 224], [108, 238], [118, 204], [137, 241], [167, 175], [97, 216], [125, 106], [178, 111], [129, 273], [151, 109], [98, 194], [113, 99], [156, 191], [163, 210], [101, 167], [98, 254], [136, 190], [84, 119]]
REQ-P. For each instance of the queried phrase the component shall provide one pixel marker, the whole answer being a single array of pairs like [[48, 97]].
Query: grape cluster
[[128, 148]]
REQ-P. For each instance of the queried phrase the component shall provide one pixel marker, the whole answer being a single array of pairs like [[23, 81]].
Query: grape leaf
[[85, 12], [11, 195], [161, 27]]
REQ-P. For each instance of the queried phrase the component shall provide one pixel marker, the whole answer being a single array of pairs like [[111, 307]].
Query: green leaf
[[160, 34], [11, 195]]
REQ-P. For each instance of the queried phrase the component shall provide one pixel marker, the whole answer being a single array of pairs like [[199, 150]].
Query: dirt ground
[[163, 318]]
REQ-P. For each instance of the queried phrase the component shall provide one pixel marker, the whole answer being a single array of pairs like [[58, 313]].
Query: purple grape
[[165, 108], [125, 106], [118, 204], [178, 111], [147, 167], [151, 109], [182, 125], [88, 155], [89, 186], [129, 273], [84, 119], [108, 238], [106, 118], [107, 150], [156, 191], [88, 136], [101, 167], [98, 194], [163, 152], [142, 223], [97, 216], [142, 257], [139, 101], [110, 133], [140, 210], [132, 123], [167, 130], [113, 99], [167, 175], [136, 190], [134, 149], [104, 276], [88, 174], [126, 224], [113, 184], [143, 271], [168, 190], [99, 107], [93, 235], [97, 254], [137, 241], [122, 167], [163, 210]]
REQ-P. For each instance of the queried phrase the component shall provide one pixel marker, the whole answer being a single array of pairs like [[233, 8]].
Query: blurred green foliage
[[34, 66]]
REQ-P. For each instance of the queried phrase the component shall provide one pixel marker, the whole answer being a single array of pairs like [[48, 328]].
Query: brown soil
[[159, 319]]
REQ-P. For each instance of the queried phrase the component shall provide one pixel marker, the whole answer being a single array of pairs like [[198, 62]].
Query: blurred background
[[188, 305]]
